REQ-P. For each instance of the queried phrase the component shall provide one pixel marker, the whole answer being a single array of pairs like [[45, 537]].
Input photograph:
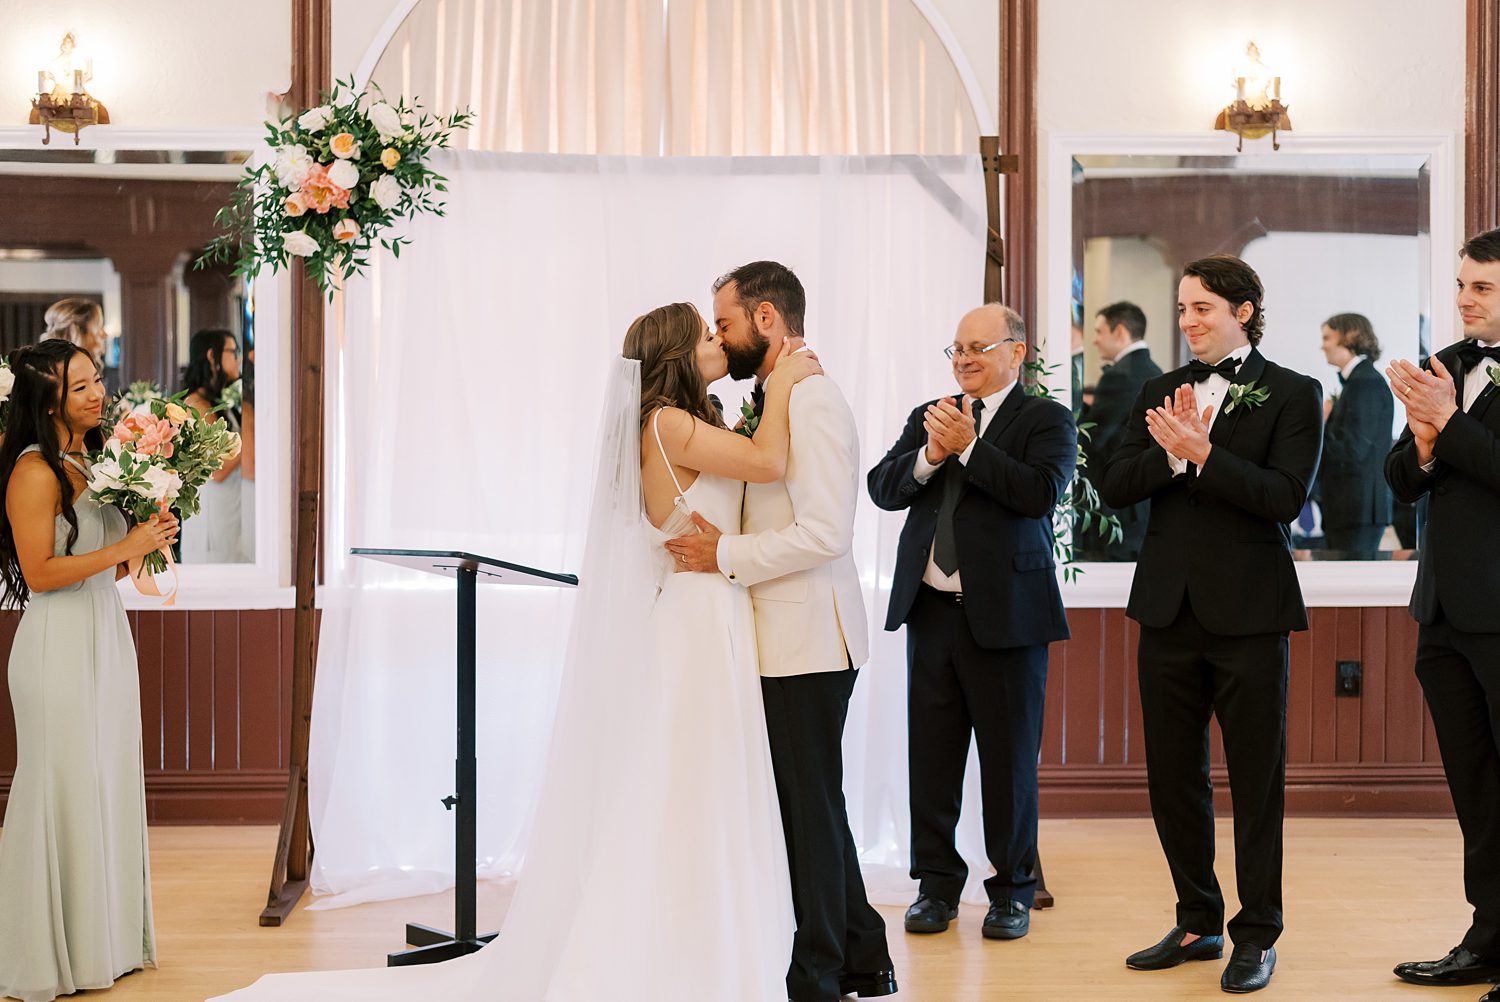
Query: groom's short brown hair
[[768, 282]]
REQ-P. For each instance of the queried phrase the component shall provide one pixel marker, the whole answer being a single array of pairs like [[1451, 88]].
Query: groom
[[795, 558]]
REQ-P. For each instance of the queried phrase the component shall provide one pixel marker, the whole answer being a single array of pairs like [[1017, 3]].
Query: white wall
[[157, 65], [1378, 67]]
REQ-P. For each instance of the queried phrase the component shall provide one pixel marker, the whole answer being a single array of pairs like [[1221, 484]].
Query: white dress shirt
[[1132, 346], [924, 470], [1349, 367], [1212, 390]]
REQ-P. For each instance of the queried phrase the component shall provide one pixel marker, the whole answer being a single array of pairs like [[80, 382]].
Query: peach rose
[[344, 146], [389, 158], [345, 230], [295, 205], [320, 194], [176, 414]]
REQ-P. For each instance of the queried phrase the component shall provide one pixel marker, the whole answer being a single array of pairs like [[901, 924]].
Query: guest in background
[[247, 453], [1075, 365], [1450, 454], [976, 586], [75, 885], [1120, 337], [80, 321], [213, 537], [1351, 490], [1226, 448]]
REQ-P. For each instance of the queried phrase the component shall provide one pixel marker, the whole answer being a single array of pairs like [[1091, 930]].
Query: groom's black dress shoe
[[1246, 970], [1493, 995], [1007, 919], [868, 986], [1459, 967], [929, 914], [1170, 952]]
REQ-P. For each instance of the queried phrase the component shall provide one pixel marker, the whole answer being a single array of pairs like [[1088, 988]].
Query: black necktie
[[944, 545], [758, 399], [1471, 353], [1199, 370]]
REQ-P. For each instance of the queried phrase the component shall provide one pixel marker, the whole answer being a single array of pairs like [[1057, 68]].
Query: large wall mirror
[[1343, 238], [121, 229]]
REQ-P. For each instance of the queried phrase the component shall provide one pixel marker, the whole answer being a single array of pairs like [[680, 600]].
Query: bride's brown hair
[[665, 342]]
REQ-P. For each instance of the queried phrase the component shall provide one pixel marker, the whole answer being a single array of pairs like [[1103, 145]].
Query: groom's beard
[[745, 359]]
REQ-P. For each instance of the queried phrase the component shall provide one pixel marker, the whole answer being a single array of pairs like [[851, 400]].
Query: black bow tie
[[1471, 353], [1199, 370]]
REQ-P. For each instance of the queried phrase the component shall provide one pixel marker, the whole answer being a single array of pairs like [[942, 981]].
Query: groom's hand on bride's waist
[[697, 551]]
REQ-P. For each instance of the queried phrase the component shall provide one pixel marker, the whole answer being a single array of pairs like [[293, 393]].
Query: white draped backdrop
[[463, 383]]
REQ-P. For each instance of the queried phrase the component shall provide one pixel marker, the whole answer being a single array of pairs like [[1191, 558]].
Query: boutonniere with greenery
[[1494, 374], [749, 420], [1246, 393]]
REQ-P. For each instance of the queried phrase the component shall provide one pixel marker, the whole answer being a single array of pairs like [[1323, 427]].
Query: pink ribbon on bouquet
[[146, 584]]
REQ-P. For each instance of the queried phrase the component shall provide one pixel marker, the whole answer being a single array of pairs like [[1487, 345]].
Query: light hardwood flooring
[[1361, 895]]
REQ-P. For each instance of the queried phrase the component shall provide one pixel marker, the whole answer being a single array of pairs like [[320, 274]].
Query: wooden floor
[[1361, 896]]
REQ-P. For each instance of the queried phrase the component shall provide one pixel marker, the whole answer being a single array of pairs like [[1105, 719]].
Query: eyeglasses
[[959, 351]]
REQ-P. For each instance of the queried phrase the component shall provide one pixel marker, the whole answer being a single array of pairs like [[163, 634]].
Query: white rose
[[315, 119], [106, 475], [291, 165], [299, 243], [343, 173], [161, 485], [386, 191], [386, 120], [7, 380]]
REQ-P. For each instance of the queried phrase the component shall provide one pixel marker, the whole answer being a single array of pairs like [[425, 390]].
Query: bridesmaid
[[214, 535], [75, 896], [80, 321]]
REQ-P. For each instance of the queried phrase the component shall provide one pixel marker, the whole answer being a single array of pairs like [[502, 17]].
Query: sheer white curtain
[[466, 378], [686, 77]]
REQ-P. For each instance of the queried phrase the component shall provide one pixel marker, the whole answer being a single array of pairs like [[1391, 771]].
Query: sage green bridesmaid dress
[[75, 883]]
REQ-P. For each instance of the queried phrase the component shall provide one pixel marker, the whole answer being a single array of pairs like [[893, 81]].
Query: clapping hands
[[1178, 427], [949, 429]]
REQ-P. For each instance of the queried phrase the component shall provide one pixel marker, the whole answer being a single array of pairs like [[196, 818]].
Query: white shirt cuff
[[963, 457], [721, 556], [1179, 466], [923, 470], [1429, 466]]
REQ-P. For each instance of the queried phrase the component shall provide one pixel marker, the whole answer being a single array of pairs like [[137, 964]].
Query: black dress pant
[[1460, 676], [837, 929], [1186, 675], [956, 688], [1361, 542]]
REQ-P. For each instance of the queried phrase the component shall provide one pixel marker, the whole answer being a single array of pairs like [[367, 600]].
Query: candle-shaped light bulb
[[78, 81], [41, 82], [1276, 85], [1239, 88]]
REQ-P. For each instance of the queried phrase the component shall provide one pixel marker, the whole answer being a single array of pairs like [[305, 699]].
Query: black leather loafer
[[868, 986], [1459, 967], [929, 914], [1170, 952], [1249, 969], [1007, 919]]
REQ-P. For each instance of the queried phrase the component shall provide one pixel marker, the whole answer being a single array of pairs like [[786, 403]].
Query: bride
[[657, 866]]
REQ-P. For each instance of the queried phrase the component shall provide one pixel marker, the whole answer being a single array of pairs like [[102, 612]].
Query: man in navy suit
[[975, 585], [1351, 488], [1450, 453]]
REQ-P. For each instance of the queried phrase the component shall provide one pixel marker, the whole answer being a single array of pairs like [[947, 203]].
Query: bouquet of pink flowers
[[340, 174], [157, 457]]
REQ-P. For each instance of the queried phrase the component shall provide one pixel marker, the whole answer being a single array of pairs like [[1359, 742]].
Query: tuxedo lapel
[[1009, 408], [1483, 401], [1249, 371]]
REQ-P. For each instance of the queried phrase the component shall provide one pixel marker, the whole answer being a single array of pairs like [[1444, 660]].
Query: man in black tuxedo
[[1450, 453], [1120, 337], [976, 586], [1351, 488], [1226, 449]]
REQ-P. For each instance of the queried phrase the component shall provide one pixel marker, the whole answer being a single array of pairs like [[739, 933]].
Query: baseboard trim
[[241, 797]]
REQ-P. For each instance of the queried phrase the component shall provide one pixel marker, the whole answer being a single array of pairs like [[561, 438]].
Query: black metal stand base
[[433, 946]]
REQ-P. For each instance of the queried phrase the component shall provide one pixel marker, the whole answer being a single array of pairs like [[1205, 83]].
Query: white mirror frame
[[1324, 583], [266, 583]]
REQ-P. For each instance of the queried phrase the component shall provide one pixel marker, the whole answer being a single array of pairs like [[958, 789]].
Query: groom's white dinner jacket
[[794, 551]]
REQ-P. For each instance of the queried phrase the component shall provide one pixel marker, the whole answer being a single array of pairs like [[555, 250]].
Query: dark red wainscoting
[[215, 703]]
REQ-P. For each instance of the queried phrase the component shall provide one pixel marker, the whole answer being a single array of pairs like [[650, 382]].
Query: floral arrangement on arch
[[340, 175]]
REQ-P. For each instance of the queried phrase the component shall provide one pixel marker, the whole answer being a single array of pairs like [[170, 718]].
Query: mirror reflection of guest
[[80, 321], [213, 536], [247, 453], [1120, 338], [1352, 491]]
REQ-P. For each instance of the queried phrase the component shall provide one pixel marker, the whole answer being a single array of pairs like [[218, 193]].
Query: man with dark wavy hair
[[1450, 452], [1225, 448], [1351, 488]]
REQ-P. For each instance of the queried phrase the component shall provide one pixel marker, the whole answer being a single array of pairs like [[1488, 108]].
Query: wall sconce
[[62, 99], [1257, 109]]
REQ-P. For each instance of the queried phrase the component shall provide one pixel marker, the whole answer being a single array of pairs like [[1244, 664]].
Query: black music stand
[[433, 945]]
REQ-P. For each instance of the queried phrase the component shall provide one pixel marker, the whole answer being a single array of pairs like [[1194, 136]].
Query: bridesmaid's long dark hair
[[38, 390], [205, 368]]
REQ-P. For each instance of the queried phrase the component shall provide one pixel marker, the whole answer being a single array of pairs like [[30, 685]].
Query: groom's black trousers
[[837, 930]]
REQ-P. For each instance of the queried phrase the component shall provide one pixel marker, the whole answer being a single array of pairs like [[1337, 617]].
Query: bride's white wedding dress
[[657, 866]]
